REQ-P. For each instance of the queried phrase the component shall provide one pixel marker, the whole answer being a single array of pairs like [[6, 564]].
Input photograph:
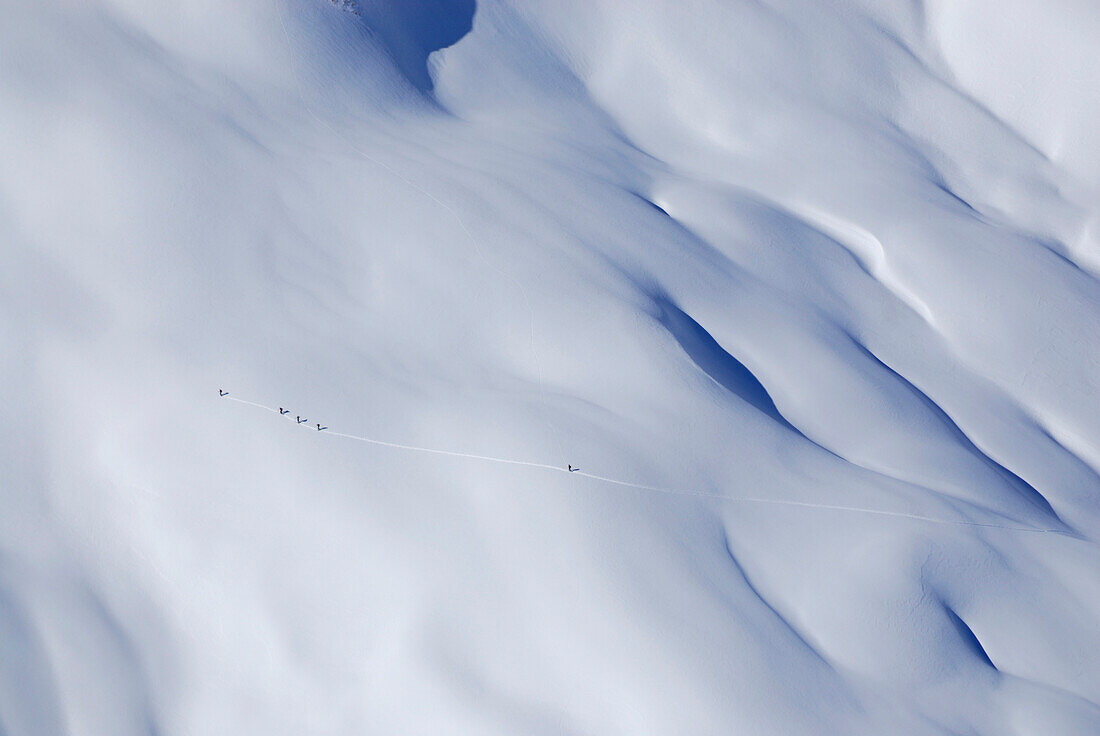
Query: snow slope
[[808, 291]]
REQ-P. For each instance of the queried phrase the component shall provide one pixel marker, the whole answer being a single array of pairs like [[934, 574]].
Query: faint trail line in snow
[[417, 187], [662, 489], [251, 403], [452, 453]]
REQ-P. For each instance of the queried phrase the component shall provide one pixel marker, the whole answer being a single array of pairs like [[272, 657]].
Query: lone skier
[[572, 469], [222, 393]]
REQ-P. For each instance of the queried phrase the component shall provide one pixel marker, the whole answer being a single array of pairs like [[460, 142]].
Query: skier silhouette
[[222, 393], [283, 411], [301, 421], [572, 469], [319, 427]]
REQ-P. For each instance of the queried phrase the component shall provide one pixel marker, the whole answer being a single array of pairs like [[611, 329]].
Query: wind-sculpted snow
[[807, 292]]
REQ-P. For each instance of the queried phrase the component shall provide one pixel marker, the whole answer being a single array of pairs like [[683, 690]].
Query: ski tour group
[[283, 412], [300, 420]]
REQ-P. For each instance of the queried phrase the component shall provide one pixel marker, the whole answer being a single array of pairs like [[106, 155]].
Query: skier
[[222, 393], [301, 421], [283, 411], [572, 469], [319, 427]]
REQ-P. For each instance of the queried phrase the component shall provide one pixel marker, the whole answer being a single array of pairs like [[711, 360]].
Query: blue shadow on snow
[[724, 369], [411, 30]]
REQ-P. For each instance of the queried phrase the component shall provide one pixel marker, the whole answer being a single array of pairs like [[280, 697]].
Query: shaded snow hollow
[[809, 292]]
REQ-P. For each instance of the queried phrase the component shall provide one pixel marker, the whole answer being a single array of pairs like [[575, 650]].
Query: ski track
[[662, 489]]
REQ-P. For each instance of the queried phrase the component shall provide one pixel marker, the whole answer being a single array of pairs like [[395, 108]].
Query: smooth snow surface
[[808, 291]]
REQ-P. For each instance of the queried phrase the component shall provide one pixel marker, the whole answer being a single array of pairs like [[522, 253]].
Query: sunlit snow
[[806, 293]]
